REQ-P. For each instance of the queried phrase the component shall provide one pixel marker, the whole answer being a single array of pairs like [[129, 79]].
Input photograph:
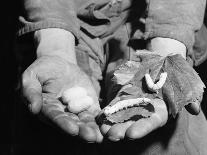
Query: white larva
[[149, 81], [124, 103], [161, 82], [151, 85]]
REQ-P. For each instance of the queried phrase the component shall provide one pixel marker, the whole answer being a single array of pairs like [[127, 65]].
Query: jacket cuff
[[49, 23]]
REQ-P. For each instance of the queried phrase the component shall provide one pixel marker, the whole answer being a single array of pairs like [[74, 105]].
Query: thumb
[[193, 108], [32, 91]]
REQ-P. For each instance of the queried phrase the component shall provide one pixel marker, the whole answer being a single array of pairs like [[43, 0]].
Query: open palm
[[44, 83]]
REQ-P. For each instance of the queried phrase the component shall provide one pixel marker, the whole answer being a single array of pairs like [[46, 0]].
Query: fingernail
[[113, 139], [193, 108]]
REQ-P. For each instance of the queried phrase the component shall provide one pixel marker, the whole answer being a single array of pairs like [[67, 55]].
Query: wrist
[[166, 46], [56, 42]]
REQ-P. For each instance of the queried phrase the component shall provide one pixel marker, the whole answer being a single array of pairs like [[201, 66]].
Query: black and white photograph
[[104, 77]]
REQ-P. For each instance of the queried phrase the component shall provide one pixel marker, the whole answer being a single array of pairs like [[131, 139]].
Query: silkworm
[[151, 85], [161, 82], [149, 81], [124, 104]]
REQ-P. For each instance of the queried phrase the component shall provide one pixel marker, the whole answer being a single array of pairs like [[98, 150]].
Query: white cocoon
[[80, 104], [77, 99]]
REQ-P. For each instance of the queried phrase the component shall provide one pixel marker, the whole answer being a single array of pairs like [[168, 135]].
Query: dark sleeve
[[176, 19], [40, 14]]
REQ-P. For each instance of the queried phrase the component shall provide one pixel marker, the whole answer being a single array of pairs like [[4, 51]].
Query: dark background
[[21, 132], [8, 14]]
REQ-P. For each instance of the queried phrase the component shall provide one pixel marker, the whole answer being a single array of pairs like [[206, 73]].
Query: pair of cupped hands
[[54, 71]]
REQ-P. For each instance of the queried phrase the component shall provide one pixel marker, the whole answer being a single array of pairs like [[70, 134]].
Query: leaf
[[150, 63], [183, 85], [128, 114]]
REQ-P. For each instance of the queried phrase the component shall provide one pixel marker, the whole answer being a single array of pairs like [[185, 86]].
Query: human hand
[[44, 83], [136, 129], [166, 46], [127, 115]]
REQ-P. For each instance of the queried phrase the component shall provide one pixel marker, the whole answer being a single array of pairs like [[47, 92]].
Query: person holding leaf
[[141, 51]]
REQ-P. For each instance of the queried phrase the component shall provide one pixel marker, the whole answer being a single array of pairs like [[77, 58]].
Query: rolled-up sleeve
[[176, 19], [41, 14]]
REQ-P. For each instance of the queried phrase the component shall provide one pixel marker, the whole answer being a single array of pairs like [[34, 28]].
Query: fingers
[[83, 125], [32, 91], [53, 110], [134, 130], [144, 126], [118, 131], [161, 112], [140, 128], [89, 130], [67, 124], [105, 128], [193, 108], [95, 127], [87, 133]]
